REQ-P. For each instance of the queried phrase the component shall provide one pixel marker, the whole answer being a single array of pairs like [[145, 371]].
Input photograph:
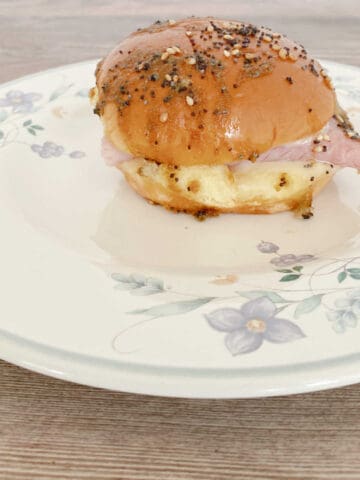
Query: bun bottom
[[257, 188]]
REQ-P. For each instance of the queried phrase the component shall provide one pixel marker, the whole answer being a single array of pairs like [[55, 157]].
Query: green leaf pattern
[[31, 127], [289, 278], [341, 276], [173, 308], [138, 284], [308, 305], [58, 92]]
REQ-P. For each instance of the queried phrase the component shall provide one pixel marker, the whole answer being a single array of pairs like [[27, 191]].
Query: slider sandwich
[[206, 116]]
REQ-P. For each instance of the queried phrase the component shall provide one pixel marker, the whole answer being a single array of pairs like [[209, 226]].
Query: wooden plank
[[32, 43], [52, 429]]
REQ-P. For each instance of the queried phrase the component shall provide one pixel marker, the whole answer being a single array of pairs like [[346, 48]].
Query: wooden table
[[50, 429]]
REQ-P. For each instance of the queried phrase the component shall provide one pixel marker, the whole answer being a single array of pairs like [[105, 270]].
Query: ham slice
[[111, 155], [336, 147], [339, 150]]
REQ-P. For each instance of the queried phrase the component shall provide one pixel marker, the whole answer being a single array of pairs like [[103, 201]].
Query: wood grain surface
[[50, 429]]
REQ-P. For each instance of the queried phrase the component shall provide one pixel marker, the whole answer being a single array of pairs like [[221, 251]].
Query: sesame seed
[[324, 72], [210, 28], [228, 37], [329, 82], [227, 53], [266, 38], [351, 133], [164, 56], [276, 35], [172, 22], [188, 33], [189, 100], [236, 51], [191, 61], [163, 117], [307, 215], [320, 138], [175, 78], [170, 50], [293, 57], [168, 77], [317, 149], [283, 53], [177, 49], [326, 138], [339, 118], [276, 47], [250, 56]]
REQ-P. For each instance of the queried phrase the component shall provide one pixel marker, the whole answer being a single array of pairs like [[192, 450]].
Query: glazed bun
[[188, 99], [204, 191], [225, 106]]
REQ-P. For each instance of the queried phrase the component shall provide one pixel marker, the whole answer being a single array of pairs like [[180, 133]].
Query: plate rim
[[119, 376]]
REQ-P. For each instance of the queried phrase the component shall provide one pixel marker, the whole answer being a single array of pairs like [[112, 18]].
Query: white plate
[[101, 288]]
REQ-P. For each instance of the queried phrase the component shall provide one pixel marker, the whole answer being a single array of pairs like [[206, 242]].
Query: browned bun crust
[[203, 190], [246, 101]]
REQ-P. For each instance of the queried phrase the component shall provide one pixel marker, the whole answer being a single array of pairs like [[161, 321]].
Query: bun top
[[208, 91]]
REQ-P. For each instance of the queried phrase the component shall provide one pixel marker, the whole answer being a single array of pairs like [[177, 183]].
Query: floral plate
[[101, 288]]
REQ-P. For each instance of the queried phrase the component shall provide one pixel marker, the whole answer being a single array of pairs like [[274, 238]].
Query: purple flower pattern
[[267, 247], [290, 259], [51, 149], [77, 154], [24, 102], [19, 101], [48, 149], [255, 321], [286, 260]]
